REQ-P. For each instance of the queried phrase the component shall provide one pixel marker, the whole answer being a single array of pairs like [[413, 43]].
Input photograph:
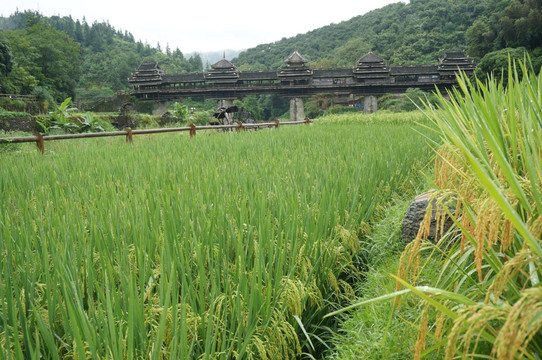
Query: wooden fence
[[40, 139], [18, 97]]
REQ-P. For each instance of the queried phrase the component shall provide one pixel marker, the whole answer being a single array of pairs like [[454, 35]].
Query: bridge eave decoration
[[453, 62], [370, 76], [147, 74], [222, 73], [371, 68], [296, 72]]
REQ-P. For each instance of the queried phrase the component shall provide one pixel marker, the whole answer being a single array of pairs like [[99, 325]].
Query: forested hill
[[65, 57], [413, 33]]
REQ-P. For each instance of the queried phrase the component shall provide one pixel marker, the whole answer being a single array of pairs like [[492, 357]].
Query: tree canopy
[[42, 56], [75, 59], [6, 63]]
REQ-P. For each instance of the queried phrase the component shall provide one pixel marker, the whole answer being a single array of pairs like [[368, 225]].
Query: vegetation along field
[[227, 245], [474, 294]]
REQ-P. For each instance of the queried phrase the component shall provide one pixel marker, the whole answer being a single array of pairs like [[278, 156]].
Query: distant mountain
[[209, 58]]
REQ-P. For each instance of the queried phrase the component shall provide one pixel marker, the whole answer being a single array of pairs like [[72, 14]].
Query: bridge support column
[[297, 112], [159, 108], [370, 104]]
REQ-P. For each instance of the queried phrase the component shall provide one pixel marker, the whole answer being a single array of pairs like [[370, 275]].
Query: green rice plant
[[215, 247], [486, 301]]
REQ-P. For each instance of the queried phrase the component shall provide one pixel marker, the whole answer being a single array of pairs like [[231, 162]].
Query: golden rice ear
[[535, 226], [439, 324], [522, 323], [508, 272], [422, 331], [467, 226], [409, 266], [453, 335], [480, 231], [465, 333], [425, 226], [401, 271], [507, 235], [448, 167]]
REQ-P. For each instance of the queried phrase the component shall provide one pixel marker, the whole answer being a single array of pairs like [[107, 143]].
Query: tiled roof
[[370, 58], [223, 64], [296, 58], [148, 66]]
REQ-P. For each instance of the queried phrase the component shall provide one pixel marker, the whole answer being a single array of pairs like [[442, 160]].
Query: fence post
[[277, 123], [192, 130], [240, 126], [129, 135], [307, 120], [39, 142]]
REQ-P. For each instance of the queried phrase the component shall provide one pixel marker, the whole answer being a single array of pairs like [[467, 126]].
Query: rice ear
[[422, 332], [522, 323], [507, 274]]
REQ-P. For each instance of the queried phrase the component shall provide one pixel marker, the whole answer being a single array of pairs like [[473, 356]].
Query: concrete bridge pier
[[370, 104], [297, 112], [159, 108]]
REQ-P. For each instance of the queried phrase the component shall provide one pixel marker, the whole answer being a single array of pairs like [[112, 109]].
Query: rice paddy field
[[221, 246]]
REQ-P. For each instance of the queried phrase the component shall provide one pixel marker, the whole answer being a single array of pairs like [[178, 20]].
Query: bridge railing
[[40, 139]]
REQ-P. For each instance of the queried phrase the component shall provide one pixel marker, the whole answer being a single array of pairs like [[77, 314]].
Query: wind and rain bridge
[[357, 86]]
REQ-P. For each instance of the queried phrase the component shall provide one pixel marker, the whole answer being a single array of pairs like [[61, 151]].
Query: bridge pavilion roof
[[371, 58], [295, 70], [296, 59], [371, 66], [452, 61], [222, 72], [148, 73], [223, 64]]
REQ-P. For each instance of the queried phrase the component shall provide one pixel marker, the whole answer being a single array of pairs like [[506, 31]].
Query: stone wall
[[27, 124]]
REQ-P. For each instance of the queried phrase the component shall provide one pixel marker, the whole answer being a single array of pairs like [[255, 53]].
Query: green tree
[[480, 38], [25, 72], [195, 63], [42, 56], [6, 63], [252, 105], [496, 63], [349, 53], [521, 24], [58, 59]]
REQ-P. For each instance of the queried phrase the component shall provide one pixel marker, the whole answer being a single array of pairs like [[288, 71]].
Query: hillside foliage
[[71, 58], [68, 57], [413, 33]]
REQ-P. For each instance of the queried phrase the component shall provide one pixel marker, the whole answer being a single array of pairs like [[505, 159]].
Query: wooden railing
[[18, 97], [40, 139]]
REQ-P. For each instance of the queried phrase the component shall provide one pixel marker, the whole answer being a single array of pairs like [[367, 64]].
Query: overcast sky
[[211, 25]]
